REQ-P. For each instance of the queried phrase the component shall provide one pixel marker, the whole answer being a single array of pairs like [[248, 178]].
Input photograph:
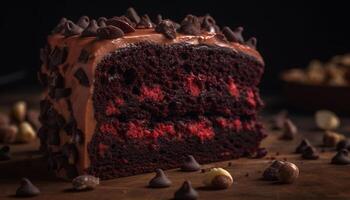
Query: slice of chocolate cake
[[125, 96]]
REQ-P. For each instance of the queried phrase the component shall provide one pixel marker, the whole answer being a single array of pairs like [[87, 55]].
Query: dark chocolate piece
[[109, 32], [120, 23], [190, 25], [341, 158], [233, 36], [91, 29], [57, 57], [27, 189], [145, 22], [302, 146], [190, 164], [186, 192], [5, 153], [344, 144], [84, 56], [59, 29], [160, 180], [252, 42], [101, 22], [132, 15], [83, 22], [271, 173], [62, 93], [167, 28], [289, 130], [71, 29], [81, 76], [310, 153]]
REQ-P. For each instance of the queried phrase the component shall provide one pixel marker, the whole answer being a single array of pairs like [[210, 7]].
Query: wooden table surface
[[318, 179]]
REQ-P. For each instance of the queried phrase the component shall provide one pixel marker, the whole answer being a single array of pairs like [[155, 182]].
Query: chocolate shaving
[[81, 76], [132, 15], [91, 29], [122, 24], [57, 57], [62, 93], [159, 19], [190, 25], [233, 36], [101, 22], [167, 28], [209, 24], [109, 32], [59, 29], [71, 29], [83, 22], [252, 42], [84, 56], [145, 22]]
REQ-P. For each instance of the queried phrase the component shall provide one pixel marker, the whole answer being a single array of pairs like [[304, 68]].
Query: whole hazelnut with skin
[[288, 173], [19, 111], [26, 133], [217, 178]]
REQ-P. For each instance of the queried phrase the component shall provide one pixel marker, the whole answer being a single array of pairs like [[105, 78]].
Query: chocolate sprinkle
[[27, 189], [302, 146], [84, 56], [341, 158], [252, 42], [233, 36], [91, 29], [145, 22], [190, 164], [81, 76], [83, 22], [344, 144], [59, 29], [167, 28], [109, 32], [132, 15], [186, 192], [310, 153], [160, 180], [122, 24], [190, 25], [71, 29]]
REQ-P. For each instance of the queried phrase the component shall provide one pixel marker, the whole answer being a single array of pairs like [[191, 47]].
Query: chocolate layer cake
[[126, 95]]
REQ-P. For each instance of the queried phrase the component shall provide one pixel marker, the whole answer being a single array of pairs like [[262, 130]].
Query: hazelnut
[[26, 133], [85, 182], [326, 120], [217, 178], [331, 139], [288, 172], [19, 111], [8, 133]]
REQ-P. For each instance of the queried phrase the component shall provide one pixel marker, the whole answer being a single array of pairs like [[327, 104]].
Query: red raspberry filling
[[202, 129], [232, 88], [153, 93], [250, 98], [112, 107], [192, 85], [108, 128], [102, 148]]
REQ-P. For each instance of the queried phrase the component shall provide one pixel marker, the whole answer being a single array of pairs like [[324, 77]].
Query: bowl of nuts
[[320, 85]]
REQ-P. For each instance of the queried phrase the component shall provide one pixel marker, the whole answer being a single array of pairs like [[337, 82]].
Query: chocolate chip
[[5, 153], [132, 15], [209, 24], [190, 25], [109, 32], [279, 119], [120, 23], [71, 29], [81, 76], [27, 189], [186, 192], [145, 22], [90, 30], [302, 146], [289, 130], [83, 22], [271, 173], [167, 28], [252, 42], [84, 56], [341, 158], [59, 29], [160, 180], [344, 144], [57, 57], [310, 153], [61, 93], [190, 164], [233, 36], [101, 22]]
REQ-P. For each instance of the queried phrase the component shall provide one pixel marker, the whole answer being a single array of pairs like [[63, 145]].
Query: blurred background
[[290, 33]]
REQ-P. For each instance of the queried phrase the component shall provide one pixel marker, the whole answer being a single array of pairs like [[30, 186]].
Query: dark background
[[290, 33]]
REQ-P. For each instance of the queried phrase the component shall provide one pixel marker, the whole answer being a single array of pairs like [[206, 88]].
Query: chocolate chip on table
[[310, 153], [344, 144], [190, 25], [109, 32], [288, 173], [71, 29], [341, 158], [186, 192], [279, 119], [233, 36], [289, 130], [252, 42], [5, 153], [59, 29], [27, 189], [81, 76], [83, 22], [90, 30], [120, 23], [190, 164], [132, 15], [167, 28], [271, 173], [160, 180], [302, 146], [85, 182]]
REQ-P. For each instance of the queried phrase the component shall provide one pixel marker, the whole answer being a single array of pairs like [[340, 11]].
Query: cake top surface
[[110, 34]]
